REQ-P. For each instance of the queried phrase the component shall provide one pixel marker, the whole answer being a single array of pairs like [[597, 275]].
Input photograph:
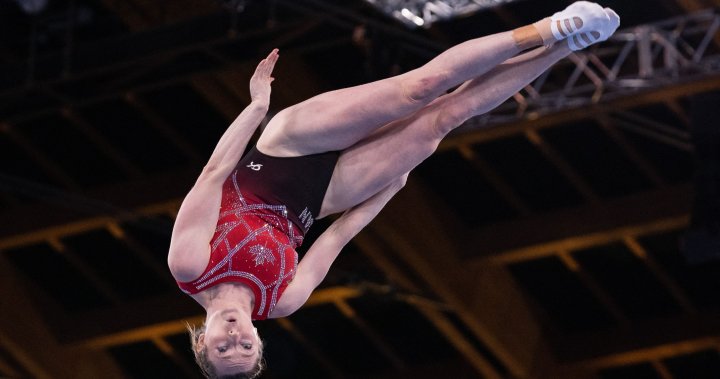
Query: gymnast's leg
[[368, 166], [338, 119]]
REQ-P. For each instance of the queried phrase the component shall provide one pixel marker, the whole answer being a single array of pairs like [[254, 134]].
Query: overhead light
[[412, 17], [414, 13]]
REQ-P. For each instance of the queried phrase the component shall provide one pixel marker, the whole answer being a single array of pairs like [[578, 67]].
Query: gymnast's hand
[[261, 79]]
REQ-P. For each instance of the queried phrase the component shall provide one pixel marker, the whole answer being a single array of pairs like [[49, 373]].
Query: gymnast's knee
[[399, 183], [446, 121], [423, 88]]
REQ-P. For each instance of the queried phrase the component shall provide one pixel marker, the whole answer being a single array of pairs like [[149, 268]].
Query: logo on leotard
[[306, 218], [254, 166]]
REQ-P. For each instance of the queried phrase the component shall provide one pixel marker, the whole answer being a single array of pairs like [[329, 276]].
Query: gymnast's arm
[[195, 223], [235, 139], [317, 261]]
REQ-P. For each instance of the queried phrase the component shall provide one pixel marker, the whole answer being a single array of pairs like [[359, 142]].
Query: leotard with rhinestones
[[256, 235]]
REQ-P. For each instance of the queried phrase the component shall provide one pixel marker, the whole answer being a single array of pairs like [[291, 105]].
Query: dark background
[[536, 247]]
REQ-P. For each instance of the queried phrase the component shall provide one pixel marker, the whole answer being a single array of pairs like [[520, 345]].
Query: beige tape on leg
[[527, 37]]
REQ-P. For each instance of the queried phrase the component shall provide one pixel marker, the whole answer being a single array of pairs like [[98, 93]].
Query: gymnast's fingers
[[271, 60]]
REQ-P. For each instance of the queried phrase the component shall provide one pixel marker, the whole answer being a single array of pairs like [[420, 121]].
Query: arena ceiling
[[540, 242]]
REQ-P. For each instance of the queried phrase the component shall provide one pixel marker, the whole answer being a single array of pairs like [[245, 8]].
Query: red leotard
[[254, 244], [254, 241]]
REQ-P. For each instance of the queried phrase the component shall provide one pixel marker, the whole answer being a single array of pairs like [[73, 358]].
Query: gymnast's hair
[[201, 357]]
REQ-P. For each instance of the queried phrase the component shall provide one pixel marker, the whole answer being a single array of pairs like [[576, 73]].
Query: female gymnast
[[350, 150]]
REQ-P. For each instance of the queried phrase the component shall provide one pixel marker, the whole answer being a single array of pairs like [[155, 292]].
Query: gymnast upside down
[[350, 150]]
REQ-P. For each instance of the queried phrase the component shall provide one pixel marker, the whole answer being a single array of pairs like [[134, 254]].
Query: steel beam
[[642, 163], [375, 338], [42, 160], [496, 315], [595, 288], [66, 213], [501, 186], [132, 56], [687, 68], [159, 317], [642, 343], [313, 350], [370, 246], [477, 132], [585, 226], [23, 333]]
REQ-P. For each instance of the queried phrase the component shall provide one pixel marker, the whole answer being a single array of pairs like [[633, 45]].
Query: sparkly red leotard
[[254, 242]]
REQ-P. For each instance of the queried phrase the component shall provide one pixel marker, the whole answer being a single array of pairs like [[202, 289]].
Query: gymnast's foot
[[582, 40], [582, 23]]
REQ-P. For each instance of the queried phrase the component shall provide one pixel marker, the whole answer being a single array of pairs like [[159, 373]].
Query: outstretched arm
[[235, 139], [317, 261], [195, 223]]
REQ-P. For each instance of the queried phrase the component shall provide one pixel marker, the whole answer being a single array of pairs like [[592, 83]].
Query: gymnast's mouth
[[229, 315]]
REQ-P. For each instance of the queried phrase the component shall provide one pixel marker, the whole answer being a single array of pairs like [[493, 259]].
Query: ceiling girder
[[24, 334], [654, 211], [132, 55], [657, 211], [378, 341], [684, 334], [370, 245], [64, 212], [674, 217], [312, 349], [642, 163], [161, 316], [496, 320], [595, 87], [51, 168], [472, 133]]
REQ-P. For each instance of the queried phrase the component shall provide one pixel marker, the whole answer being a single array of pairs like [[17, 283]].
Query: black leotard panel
[[299, 183]]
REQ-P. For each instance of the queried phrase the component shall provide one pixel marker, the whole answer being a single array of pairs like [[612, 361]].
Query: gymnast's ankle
[[537, 34]]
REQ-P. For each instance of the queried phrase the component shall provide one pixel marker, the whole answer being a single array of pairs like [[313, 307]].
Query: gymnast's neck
[[226, 295]]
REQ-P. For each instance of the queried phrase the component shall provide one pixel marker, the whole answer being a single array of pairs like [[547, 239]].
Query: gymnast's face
[[232, 342]]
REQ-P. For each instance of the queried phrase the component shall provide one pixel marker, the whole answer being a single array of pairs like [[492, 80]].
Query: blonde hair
[[208, 370]]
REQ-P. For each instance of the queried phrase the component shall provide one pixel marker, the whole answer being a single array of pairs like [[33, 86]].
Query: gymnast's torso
[[268, 204]]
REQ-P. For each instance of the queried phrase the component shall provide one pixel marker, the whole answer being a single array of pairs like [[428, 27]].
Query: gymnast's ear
[[200, 344]]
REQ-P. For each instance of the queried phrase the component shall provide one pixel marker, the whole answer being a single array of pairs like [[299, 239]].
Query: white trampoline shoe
[[583, 40], [584, 23]]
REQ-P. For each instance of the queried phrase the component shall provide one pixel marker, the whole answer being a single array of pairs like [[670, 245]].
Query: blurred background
[[571, 233]]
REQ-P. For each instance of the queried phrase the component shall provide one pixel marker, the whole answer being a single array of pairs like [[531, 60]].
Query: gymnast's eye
[[247, 346], [222, 349]]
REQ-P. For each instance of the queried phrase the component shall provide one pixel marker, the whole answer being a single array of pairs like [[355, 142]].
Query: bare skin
[[398, 147], [231, 337], [383, 130]]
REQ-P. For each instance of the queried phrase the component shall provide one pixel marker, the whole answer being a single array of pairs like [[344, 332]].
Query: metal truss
[[423, 13], [633, 61]]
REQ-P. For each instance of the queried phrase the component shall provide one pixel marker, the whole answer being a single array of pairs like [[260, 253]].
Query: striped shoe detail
[[563, 28]]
